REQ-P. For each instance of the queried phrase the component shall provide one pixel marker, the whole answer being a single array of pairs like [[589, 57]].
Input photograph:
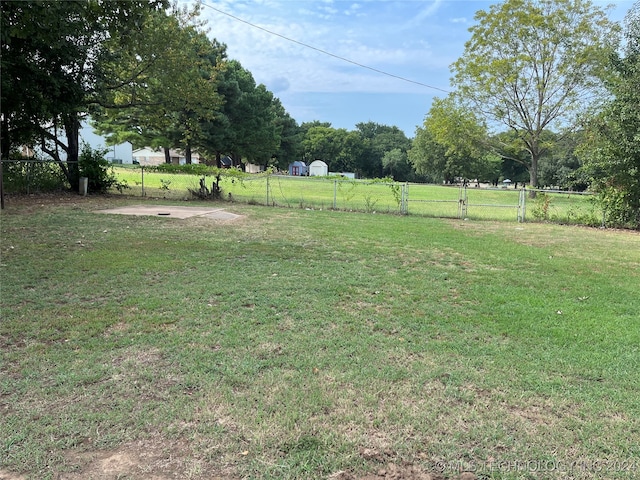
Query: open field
[[368, 196], [308, 344]]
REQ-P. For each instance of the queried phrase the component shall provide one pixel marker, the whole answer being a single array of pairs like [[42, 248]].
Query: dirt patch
[[4, 475], [158, 458], [150, 459], [161, 459]]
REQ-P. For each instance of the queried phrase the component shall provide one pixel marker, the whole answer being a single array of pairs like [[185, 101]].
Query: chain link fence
[[337, 193], [507, 204], [269, 189], [32, 177]]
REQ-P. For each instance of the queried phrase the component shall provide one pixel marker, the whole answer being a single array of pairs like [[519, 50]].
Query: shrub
[[98, 170], [618, 208]]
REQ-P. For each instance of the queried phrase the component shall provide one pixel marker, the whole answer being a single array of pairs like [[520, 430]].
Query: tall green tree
[[513, 159], [248, 125], [460, 138], [255, 130], [377, 140], [321, 141], [534, 65], [52, 54], [290, 148], [218, 134], [562, 166], [352, 151], [612, 150], [175, 88], [395, 164], [429, 158]]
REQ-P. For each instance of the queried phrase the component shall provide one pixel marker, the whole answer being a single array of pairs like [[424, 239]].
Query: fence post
[[522, 206], [142, 177], [268, 189], [462, 203], [404, 199], [335, 194]]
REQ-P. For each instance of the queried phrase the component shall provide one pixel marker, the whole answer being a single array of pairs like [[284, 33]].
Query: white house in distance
[[126, 154], [155, 156], [318, 168], [120, 153]]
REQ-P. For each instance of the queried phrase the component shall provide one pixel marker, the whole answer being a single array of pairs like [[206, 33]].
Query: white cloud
[[364, 33], [424, 13], [353, 9], [416, 39]]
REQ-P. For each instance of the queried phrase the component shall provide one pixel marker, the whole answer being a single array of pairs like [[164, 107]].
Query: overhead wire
[[324, 52]]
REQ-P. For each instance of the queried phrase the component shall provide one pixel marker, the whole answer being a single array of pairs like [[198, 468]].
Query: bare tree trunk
[[167, 155], [533, 176], [187, 154], [72, 132]]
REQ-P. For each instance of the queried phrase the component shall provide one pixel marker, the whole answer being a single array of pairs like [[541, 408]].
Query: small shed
[[226, 161], [298, 169], [318, 168], [253, 168]]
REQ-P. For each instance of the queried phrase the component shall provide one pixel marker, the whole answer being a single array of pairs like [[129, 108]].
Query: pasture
[[315, 344]]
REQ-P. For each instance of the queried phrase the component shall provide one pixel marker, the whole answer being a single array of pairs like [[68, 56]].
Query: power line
[[306, 45]]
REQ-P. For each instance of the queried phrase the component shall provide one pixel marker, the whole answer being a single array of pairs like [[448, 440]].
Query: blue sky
[[414, 39]]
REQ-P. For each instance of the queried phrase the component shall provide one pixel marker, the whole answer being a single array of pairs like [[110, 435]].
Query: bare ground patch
[[4, 475], [150, 459]]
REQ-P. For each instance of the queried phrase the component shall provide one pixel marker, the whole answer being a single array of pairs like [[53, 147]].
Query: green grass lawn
[[296, 343]]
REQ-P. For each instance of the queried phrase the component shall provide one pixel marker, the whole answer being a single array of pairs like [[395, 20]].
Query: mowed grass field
[[307, 344], [369, 196]]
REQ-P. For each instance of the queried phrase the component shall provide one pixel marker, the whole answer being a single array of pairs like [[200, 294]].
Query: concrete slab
[[171, 211], [221, 215]]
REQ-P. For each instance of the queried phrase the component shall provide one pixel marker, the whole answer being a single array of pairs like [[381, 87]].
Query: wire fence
[[337, 193], [509, 204], [463, 202], [33, 176], [270, 189]]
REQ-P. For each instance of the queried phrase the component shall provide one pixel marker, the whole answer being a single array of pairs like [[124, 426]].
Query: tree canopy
[[169, 95], [534, 65], [145, 73], [52, 67], [612, 150]]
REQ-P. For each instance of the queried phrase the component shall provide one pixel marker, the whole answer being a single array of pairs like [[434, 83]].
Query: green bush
[[619, 209], [98, 170]]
